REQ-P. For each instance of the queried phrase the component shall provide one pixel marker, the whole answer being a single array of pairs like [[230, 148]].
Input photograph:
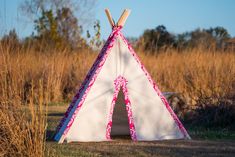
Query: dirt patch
[[175, 148]]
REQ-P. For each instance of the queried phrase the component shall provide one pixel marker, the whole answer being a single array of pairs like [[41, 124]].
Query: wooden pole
[[61, 139], [109, 17], [123, 17]]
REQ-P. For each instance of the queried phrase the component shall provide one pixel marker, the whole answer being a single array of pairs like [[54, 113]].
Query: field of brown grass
[[195, 74], [35, 79]]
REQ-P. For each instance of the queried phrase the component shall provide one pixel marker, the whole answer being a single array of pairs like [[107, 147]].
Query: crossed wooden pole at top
[[121, 20]]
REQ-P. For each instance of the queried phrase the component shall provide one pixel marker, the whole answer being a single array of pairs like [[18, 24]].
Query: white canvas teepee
[[117, 67]]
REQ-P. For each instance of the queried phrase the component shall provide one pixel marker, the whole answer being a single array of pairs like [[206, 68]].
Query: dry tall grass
[[61, 71], [196, 74], [22, 126], [22, 117]]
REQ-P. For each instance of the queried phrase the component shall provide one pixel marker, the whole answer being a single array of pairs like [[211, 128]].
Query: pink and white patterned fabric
[[179, 124], [121, 82], [79, 98]]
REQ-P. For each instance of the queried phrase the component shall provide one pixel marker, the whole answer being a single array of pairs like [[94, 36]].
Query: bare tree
[[83, 9]]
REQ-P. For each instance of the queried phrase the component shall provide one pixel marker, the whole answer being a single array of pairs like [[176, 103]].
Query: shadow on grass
[[56, 114], [50, 135]]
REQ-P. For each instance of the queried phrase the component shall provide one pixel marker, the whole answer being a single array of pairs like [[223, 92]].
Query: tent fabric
[[117, 67], [79, 98]]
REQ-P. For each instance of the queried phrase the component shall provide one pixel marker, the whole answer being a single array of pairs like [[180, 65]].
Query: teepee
[[117, 67]]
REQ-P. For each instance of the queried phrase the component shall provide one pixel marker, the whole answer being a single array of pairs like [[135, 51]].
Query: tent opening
[[120, 125]]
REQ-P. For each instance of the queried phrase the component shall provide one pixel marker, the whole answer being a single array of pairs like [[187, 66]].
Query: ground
[[214, 142]]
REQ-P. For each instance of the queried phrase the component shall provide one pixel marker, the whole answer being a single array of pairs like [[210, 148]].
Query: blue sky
[[177, 15]]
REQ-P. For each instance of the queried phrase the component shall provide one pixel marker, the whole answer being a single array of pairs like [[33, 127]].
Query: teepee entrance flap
[[121, 82]]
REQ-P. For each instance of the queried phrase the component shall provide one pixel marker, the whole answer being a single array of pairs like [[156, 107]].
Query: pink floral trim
[[118, 83], [179, 124], [80, 97]]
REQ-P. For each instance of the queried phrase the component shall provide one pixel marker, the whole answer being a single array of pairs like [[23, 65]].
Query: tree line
[[56, 26], [160, 39]]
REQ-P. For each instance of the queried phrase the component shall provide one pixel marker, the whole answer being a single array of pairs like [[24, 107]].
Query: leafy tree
[[220, 34], [47, 28], [182, 40], [11, 39], [201, 38], [60, 29], [55, 21], [156, 39], [68, 28], [211, 38]]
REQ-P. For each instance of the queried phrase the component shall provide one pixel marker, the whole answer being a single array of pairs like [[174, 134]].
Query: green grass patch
[[211, 133]]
